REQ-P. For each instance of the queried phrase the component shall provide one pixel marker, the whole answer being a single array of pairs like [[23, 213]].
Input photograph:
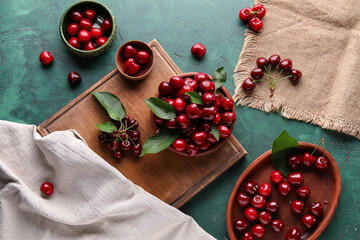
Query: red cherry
[[164, 88], [95, 33], [256, 24], [297, 206], [228, 118], [129, 51], [276, 177], [309, 221], [106, 26], [134, 135], [265, 189], [158, 120], [46, 58], [262, 62], [296, 179], [205, 126], [224, 131], [286, 65], [85, 24], [274, 60], [192, 150], [170, 101], [211, 139], [248, 84], [72, 29], [308, 159], [179, 145], [258, 230], [251, 213], [245, 14], [226, 104], [321, 163], [190, 131], [131, 67], [295, 75], [208, 99], [199, 137], [240, 225], [47, 188], [136, 149], [205, 146], [183, 90], [113, 146], [258, 201], [316, 209], [293, 162], [246, 236], [90, 14], [142, 57], [125, 146], [89, 46], [199, 77], [101, 41], [179, 105], [176, 82], [198, 50], [84, 36], [183, 121], [191, 82], [293, 234], [303, 192], [76, 16], [257, 73], [74, 78], [171, 124], [193, 112], [264, 218], [251, 187], [207, 86], [277, 225], [217, 119], [102, 138], [118, 154], [261, 11], [209, 113], [272, 206], [284, 188], [243, 199]]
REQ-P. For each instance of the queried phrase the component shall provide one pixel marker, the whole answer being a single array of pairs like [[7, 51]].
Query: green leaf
[[283, 147], [108, 127], [112, 105], [161, 108], [215, 131], [160, 141], [219, 77], [195, 97]]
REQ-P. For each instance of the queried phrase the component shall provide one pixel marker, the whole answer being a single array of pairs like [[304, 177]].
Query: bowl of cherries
[[205, 115], [134, 60], [88, 28]]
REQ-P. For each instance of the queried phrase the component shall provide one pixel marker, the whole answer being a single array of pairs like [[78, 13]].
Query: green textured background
[[30, 93]]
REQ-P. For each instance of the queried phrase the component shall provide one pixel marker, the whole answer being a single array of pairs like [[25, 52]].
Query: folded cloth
[[91, 199]]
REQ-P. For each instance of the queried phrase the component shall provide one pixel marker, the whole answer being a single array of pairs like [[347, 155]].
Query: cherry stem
[[322, 141], [282, 79], [132, 141]]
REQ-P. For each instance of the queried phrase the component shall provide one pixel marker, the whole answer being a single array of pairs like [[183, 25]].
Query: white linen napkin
[[91, 199]]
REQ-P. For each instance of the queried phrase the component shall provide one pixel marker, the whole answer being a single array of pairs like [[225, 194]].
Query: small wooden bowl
[[144, 70], [102, 12], [213, 148], [325, 187]]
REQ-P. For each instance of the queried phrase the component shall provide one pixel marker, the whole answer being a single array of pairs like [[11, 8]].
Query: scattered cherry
[[258, 230], [297, 206], [243, 199], [251, 187], [264, 218], [258, 201], [296, 179], [308, 160], [198, 50], [316, 209], [265, 189], [284, 188], [293, 162], [46, 58], [286, 65], [272, 206], [47, 188], [295, 75], [293, 234], [277, 225], [74, 78], [240, 225], [276, 177], [309, 221], [321, 163], [251, 214], [303, 192]]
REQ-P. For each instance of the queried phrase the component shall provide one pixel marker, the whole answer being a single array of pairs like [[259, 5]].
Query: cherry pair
[[253, 16], [134, 59], [307, 160]]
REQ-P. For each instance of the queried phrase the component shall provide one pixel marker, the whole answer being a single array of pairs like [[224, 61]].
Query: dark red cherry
[[264, 218], [296, 179], [164, 88], [134, 135], [106, 26], [183, 121], [171, 124], [262, 62], [191, 82], [176, 82], [157, 120], [198, 50], [265, 189], [118, 154], [257, 73], [46, 58], [101, 41], [199, 77], [208, 99], [72, 29], [142, 57], [303, 192], [258, 201], [276, 177], [284, 188], [297, 206], [193, 112], [293, 162], [74, 78], [125, 146], [76, 16], [295, 75], [113, 146], [277, 225], [192, 150], [209, 113], [136, 149], [274, 60], [205, 146], [246, 236], [243, 199], [211, 139], [47, 188], [205, 126], [293, 234], [251, 187], [226, 104], [102, 138], [90, 14], [286, 65], [190, 131], [272, 206], [207, 86], [321, 163], [251, 213], [316, 209], [179, 105], [179, 145], [199, 137], [309, 221], [224, 131], [183, 90], [248, 84], [228, 118], [217, 119], [240, 225], [258, 230]]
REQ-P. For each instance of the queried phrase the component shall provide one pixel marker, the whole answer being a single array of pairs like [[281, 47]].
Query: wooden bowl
[[102, 12], [213, 148], [144, 70], [325, 187]]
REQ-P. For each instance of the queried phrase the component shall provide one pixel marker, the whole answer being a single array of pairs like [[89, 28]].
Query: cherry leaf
[[161, 108], [112, 105], [108, 127], [215, 131], [160, 141], [219, 77], [195, 97]]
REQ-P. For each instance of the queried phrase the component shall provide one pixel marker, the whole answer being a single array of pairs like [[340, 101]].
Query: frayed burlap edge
[[242, 70]]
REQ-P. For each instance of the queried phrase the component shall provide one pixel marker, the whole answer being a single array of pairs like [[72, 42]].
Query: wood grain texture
[[172, 178]]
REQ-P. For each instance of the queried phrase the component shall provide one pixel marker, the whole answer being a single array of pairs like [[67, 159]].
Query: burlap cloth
[[322, 38]]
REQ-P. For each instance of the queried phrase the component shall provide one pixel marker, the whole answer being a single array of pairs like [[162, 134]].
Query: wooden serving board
[[172, 178]]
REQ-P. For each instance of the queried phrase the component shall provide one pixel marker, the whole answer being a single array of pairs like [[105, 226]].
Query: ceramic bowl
[[214, 147], [325, 187], [102, 13], [144, 70]]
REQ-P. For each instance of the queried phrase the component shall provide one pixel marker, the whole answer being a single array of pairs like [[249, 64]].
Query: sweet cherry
[[224, 131], [303, 192], [272, 206], [199, 137], [211, 139], [90, 14], [257, 73], [85, 24], [264, 218], [76, 16], [72, 29], [46, 58], [277, 225], [261, 11], [217, 119], [101, 41], [243, 199], [113, 146], [293, 162], [274, 60], [245, 14], [183, 122], [193, 112], [309, 221], [258, 201], [142, 57], [106, 26], [316, 209], [118, 154], [191, 82], [89, 46], [164, 88], [247, 236], [157, 120], [276, 177], [207, 86], [171, 124], [296, 179], [262, 62], [96, 33], [228, 118], [47, 188], [297, 206], [179, 104], [129, 51], [248, 84], [74, 78], [125, 146], [308, 159], [251, 213], [199, 77], [240, 225], [198, 50], [179, 145], [136, 149], [265, 189], [284, 188], [192, 150], [286, 65], [256, 24], [293, 234], [251, 187], [258, 230], [209, 113], [295, 75], [134, 135], [84, 36], [321, 163], [208, 99], [131, 67], [205, 146], [205, 126], [176, 82]]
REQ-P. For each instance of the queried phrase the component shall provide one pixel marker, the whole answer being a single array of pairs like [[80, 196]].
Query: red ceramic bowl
[[214, 147], [325, 187]]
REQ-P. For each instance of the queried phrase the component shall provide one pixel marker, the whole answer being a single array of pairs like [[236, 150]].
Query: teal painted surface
[[30, 93]]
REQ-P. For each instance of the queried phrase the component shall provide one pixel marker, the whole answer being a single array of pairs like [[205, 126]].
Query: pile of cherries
[[264, 67], [124, 139], [196, 120], [253, 16], [84, 32], [135, 59], [257, 208]]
